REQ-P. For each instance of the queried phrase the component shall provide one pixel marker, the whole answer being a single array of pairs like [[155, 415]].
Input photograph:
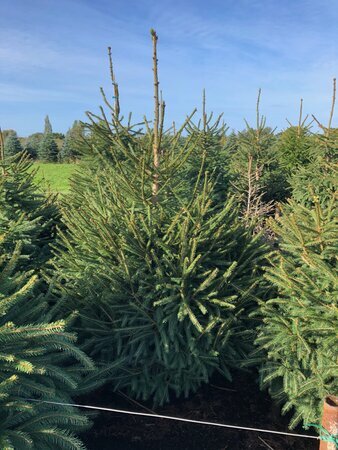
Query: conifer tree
[[256, 177], [164, 281], [209, 140], [318, 179], [299, 330], [32, 144], [48, 149], [12, 145], [39, 360], [294, 146], [22, 200], [48, 126], [71, 148]]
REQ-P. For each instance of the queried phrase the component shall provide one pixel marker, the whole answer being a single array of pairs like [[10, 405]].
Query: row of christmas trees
[[47, 146], [172, 258]]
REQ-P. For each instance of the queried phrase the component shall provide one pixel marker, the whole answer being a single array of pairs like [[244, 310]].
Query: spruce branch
[[2, 146], [257, 110], [204, 113], [158, 119], [332, 104], [115, 85], [300, 122]]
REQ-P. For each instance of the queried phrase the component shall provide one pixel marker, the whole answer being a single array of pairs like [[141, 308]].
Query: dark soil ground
[[237, 403]]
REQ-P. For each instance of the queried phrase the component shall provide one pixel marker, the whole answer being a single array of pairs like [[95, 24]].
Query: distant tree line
[[47, 146]]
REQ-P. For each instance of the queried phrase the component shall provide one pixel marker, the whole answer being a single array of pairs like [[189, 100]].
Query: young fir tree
[[32, 144], [12, 145], [299, 330], [319, 178], [71, 148], [164, 281], [38, 360], [209, 140], [294, 146], [255, 175], [22, 199], [48, 150]]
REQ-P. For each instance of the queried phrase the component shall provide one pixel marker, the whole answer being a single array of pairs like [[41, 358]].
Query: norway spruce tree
[[12, 145], [48, 149], [318, 179], [299, 330], [39, 360], [294, 147], [255, 176], [209, 138], [164, 276], [32, 144], [23, 201], [71, 148]]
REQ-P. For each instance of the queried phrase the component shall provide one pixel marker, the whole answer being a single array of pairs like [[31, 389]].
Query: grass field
[[55, 176]]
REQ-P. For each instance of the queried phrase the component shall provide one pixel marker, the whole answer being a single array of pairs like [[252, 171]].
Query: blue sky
[[53, 58]]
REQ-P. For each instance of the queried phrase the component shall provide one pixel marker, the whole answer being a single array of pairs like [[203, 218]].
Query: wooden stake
[[330, 420]]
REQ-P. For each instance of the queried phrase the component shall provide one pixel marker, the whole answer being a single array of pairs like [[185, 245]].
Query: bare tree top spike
[[2, 149], [332, 105], [257, 107], [115, 85]]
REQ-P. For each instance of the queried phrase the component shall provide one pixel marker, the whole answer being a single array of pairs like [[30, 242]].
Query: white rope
[[180, 419]]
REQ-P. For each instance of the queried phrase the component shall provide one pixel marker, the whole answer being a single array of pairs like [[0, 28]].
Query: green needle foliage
[[294, 147], [317, 180], [38, 357], [22, 201], [38, 361], [12, 145], [48, 150], [210, 151], [253, 156], [164, 276], [70, 151], [299, 330]]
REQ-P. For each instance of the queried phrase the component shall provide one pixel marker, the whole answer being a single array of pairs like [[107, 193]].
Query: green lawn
[[55, 176]]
